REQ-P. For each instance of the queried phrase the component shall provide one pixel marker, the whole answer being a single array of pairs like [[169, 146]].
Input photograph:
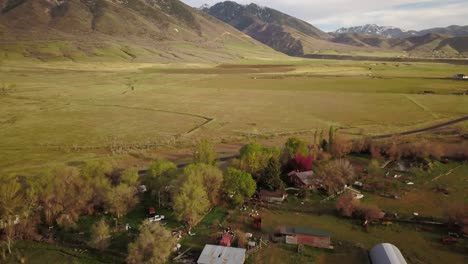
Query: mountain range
[[136, 30], [394, 32], [296, 37], [171, 31], [271, 27]]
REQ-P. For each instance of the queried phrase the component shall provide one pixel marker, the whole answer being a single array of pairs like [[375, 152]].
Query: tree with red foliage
[[302, 163]]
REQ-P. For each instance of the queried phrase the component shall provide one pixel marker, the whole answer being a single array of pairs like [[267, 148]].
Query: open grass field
[[414, 244], [58, 112], [423, 197]]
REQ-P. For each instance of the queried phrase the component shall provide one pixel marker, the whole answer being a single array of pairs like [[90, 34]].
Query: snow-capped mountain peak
[[373, 29]]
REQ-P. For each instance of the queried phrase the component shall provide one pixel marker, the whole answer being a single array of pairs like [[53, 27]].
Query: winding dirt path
[[208, 120], [424, 130]]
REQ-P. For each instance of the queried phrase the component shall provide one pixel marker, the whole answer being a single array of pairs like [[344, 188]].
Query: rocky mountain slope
[[137, 30], [278, 30]]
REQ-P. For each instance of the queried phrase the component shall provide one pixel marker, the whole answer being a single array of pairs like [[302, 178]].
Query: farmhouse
[[303, 236], [304, 180], [272, 197], [212, 254], [386, 253]]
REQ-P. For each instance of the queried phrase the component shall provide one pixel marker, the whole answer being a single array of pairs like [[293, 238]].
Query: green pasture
[[57, 112]]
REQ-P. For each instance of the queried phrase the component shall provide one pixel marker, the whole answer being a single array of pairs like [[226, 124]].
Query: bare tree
[[393, 150], [336, 174], [346, 204], [370, 212], [376, 151], [341, 146]]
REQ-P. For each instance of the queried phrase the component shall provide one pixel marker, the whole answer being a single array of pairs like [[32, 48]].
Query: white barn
[[212, 254], [386, 253]]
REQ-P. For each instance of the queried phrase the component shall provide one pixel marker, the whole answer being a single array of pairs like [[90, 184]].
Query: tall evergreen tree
[[331, 136], [271, 176]]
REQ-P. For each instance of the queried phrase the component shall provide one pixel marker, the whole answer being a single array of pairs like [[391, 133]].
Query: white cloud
[[332, 14]]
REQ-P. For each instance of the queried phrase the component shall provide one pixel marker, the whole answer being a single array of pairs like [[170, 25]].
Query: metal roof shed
[[386, 253], [212, 254]]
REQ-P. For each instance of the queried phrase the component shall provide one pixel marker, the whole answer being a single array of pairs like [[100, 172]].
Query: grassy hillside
[[111, 30]]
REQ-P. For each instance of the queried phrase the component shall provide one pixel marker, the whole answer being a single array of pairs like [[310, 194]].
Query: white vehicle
[[358, 196], [156, 218], [358, 183]]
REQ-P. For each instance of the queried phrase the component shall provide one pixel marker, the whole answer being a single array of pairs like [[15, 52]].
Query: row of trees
[[195, 189], [396, 148], [61, 196], [348, 206], [456, 214], [64, 194]]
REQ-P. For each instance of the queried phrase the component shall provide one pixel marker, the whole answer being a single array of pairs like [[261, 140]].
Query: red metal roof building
[[305, 236]]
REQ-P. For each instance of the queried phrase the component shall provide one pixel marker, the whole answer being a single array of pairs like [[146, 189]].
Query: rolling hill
[[130, 30], [428, 45]]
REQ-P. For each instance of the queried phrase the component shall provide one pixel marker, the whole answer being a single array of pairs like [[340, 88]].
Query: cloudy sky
[[330, 15]]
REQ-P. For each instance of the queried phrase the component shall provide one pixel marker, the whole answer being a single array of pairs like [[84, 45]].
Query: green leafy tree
[[254, 158], [190, 200], [374, 168], [239, 185], [204, 153], [211, 177], [160, 174], [12, 204], [121, 199], [293, 147], [100, 235], [271, 176], [96, 175], [130, 177], [153, 245]]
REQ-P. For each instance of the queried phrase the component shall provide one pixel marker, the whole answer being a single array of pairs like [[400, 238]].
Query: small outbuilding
[[212, 254], [226, 240], [303, 236], [386, 253], [272, 197]]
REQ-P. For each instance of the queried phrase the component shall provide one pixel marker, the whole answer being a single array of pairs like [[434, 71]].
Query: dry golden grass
[[86, 108]]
